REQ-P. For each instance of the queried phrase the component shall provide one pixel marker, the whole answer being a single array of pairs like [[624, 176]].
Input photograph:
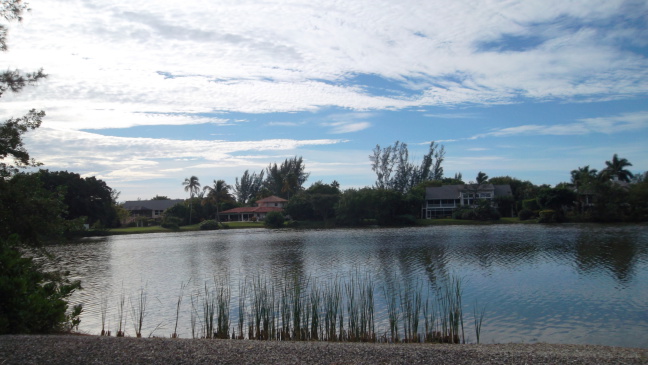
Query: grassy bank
[[465, 222], [193, 227], [310, 225]]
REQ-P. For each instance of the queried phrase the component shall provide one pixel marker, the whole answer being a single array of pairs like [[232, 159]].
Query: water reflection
[[616, 255], [568, 283]]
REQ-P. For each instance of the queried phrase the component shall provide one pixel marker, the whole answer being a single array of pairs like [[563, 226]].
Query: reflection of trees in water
[[434, 260], [487, 254], [403, 267], [492, 247], [274, 256], [617, 254], [219, 254], [286, 258]]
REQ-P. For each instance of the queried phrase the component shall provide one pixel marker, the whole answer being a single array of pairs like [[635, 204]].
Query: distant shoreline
[[323, 225]]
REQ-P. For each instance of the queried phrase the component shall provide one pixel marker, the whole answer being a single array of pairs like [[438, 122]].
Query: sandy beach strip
[[71, 349]]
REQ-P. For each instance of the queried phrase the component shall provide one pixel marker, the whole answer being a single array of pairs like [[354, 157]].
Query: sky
[[143, 94]]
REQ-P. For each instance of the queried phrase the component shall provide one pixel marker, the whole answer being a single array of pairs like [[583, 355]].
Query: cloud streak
[[626, 122], [130, 58], [83, 151]]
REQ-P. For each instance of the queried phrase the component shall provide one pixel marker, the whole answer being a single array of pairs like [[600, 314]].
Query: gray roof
[[151, 204], [454, 191], [443, 192]]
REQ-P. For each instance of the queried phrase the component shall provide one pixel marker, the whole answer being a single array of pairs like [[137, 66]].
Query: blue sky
[[144, 96]]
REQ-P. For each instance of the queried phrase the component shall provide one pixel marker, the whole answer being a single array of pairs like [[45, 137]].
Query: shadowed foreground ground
[[68, 349]]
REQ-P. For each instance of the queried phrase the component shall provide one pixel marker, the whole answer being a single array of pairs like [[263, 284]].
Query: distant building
[[444, 200], [258, 212], [149, 208]]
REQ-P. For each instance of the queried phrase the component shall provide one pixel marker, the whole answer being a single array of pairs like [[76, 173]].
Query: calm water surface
[[582, 284]]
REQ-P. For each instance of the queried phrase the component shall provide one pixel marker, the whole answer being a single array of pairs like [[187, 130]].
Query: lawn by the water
[[311, 225], [193, 227]]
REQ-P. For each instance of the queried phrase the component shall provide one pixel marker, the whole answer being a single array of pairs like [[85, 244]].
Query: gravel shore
[[70, 349]]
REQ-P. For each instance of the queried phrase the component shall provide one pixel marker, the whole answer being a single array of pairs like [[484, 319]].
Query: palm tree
[[481, 177], [583, 176], [616, 168], [218, 192], [192, 185], [583, 179]]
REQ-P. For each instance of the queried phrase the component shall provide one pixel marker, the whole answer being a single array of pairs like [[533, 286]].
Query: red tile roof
[[252, 210], [272, 199]]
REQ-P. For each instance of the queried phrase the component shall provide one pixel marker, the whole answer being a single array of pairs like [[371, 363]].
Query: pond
[[577, 284]]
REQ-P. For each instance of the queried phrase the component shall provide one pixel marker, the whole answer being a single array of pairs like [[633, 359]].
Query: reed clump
[[339, 309]]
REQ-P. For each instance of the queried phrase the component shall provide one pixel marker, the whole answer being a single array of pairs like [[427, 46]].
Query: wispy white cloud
[[109, 61], [347, 122], [608, 125], [341, 127], [284, 124], [136, 158], [453, 115]]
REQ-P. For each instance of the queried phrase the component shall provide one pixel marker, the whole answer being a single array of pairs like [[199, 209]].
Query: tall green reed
[[223, 297], [478, 316], [138, 311], [209, 311], [393, 313], [411, 304], [241, 309], [332, 297], [340, 309], [104, 313], [121, 315], [451, 311], [178, 303]]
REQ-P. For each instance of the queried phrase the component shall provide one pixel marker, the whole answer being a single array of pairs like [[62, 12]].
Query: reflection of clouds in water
[[547, 283]]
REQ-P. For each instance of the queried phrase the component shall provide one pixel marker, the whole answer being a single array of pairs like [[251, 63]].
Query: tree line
[[398, 194]]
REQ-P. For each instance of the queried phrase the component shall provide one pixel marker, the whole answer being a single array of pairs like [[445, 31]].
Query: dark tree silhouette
[[616, 168], [192, 185]]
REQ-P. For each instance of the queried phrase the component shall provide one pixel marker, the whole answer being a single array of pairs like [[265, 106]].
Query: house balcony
[[433, 206]]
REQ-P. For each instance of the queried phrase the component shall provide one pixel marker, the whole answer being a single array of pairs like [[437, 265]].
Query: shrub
[[171, 222], [405, 220], [458, 214], [468, 215], [549, 216], [484, 211], [492, 214], [526, 214], [172, 226], [291, 224], [531, 204], [209, 225], [32, 300], [274, 220]]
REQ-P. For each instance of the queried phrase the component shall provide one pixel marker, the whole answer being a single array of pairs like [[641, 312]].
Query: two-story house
[[443, 200]]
